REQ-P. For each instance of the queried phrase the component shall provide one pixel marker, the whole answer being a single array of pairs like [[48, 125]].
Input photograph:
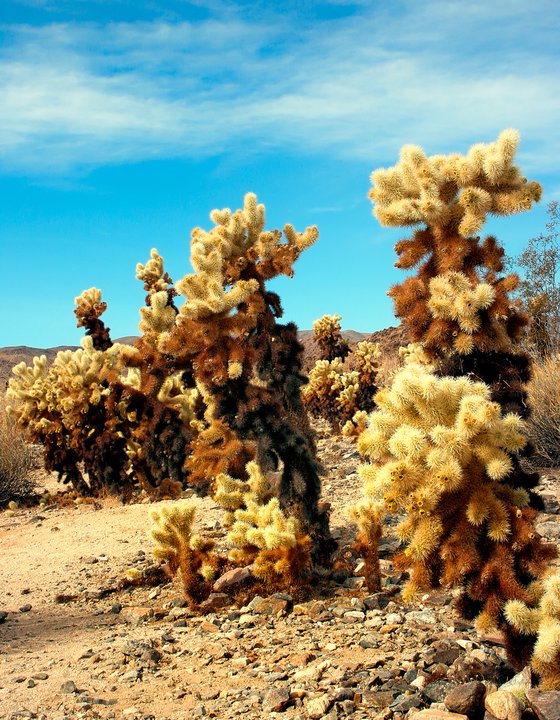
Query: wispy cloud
[[441, 74]]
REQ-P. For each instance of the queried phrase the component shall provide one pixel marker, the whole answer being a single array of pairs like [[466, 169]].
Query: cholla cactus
[[181, 550], [457, 305], [444, 450], [64, 406], [440, 451], [246, 365], [341, 395], [327, 334], [539, 618], [261, 532], [89, 308]]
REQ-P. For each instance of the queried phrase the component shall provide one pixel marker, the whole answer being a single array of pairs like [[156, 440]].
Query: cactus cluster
[[341, 391]]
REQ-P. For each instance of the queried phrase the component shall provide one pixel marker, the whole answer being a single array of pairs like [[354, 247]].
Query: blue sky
[[123, 123]]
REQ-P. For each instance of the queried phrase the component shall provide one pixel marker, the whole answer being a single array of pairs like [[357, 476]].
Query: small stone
[[25, 608], [276, 699], [270, 606], [116, 608], [178, 603], [467, 699], [435, 714], [3, 616], [438, 690], [318, 707], [545, 704], [208, 626], [369, 641], [444, 651], [68, 687], [31, 683], [137, 615], [40, 676], [216, 601], [503, 705], [231, 578]]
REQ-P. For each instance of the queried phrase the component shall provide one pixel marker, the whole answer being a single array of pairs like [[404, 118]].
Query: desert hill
[[389, 339]]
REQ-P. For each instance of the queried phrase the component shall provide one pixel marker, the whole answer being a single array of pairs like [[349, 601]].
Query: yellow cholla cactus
[[152, 274], [260, 531], [214, 255], [543, 620], [453, 189], [89, 304], [182, 550], [435, 442], [159, 316]]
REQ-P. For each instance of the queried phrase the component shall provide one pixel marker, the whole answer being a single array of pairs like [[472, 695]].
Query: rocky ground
[[75, 643]]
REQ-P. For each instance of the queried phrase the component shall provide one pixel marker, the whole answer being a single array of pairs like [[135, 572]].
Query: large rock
[[545, 704], [467, 699], [503, 705]]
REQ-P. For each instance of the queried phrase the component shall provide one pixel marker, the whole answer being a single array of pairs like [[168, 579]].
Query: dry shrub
[[16, 460], [544, 422], [389, 365]]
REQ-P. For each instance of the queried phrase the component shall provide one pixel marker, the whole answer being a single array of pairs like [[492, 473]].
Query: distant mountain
[[389, 340]]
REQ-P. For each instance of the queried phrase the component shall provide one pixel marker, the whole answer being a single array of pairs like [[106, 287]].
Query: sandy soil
[[78, 554]]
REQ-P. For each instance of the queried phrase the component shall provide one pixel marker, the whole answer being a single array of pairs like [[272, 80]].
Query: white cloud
[[440, 74]]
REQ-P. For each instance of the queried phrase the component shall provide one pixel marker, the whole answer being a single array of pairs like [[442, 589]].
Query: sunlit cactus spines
[[446, 443]]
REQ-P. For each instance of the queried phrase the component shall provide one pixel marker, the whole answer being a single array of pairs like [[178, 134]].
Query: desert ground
[[77, 642]]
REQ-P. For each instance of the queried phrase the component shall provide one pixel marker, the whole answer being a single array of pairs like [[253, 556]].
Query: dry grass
[[544, 424], [16, 460]]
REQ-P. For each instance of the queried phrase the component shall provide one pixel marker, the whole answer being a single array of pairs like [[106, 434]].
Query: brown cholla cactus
[[67, 408], [246, 365], [440, 451], [445, 447], [88, 311], [328, 336]]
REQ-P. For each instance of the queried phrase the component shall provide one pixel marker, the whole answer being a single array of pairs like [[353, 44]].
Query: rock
[[318, 707], [545, 704], [137, 615], [69, 686], [272, 605], [443, 651], [3, 616], [434, 714], [178, 603], [421, 617], [371, 640], [275, 699], [40, 676], [503, 705], [438, 690], [519, 684], [231, 578], [25, 608], [467, 699], [216, 601]]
